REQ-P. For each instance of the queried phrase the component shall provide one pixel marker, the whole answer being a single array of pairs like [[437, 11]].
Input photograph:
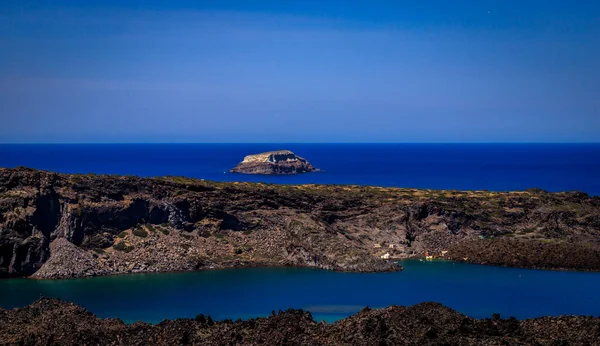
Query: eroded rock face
[[54, 322], [116, 224], [274, 162]]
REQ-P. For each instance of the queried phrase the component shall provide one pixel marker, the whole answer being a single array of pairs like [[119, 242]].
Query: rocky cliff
[[274, 162], [53, 322], [60, 225]]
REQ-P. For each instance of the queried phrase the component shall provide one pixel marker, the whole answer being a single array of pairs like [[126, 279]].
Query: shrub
[[140, 232], [120, 246], [122, 234], [164, 231]]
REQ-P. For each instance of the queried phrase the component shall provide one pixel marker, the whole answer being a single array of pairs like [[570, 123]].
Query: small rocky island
[[274, 162]]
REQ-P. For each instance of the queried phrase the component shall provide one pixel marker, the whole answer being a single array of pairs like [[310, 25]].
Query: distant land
[[274, 162], [63, 226]]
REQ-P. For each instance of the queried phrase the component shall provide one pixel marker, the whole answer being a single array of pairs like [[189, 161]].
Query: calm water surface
[[478, 291], [499, 167]]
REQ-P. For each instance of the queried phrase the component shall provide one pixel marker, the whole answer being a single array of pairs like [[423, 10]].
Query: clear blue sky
[[299, 71]]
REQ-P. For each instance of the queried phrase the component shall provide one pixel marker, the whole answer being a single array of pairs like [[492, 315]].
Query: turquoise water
[[475, 290]]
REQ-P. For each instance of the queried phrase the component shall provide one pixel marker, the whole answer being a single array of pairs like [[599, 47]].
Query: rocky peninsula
[[274, 162], [54, 322], [71, 225]]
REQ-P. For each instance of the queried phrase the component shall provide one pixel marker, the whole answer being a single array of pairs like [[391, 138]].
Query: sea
[[494, 167], [475, 290]]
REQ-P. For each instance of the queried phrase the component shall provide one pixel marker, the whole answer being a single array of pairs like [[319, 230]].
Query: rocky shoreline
[[55, 322], [551, 254], [62, 226]]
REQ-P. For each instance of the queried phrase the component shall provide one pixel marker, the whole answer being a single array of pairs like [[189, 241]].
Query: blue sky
[[300, 71]]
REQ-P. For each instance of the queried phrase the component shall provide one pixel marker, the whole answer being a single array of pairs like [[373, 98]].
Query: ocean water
[[475, 290], [496, 167]]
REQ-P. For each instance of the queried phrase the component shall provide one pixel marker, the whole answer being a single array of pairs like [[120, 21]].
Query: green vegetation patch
[[120, 246], [122, 234], [140, 232]]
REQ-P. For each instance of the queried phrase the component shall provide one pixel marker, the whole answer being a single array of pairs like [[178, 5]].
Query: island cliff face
[[274, 162], [54, 322], [61, 226]]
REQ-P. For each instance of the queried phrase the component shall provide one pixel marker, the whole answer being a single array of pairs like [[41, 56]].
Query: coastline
[[398, 267], [73, 225]]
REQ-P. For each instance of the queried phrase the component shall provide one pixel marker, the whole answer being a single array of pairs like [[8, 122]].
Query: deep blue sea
[[553, 167], [476, 290]]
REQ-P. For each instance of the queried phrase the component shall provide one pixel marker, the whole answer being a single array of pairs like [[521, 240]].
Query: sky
[[299, 71]]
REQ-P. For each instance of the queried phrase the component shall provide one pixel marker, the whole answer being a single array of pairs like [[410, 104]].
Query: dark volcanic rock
[[549, 254], [61, 225], [274, 162], [54, 322]]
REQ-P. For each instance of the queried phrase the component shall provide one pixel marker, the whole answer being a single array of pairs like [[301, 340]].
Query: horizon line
[[179, 143]]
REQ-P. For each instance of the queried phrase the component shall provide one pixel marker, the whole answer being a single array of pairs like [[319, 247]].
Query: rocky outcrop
[[274, 162], [54, 322], [524, 253], [60, 225]]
